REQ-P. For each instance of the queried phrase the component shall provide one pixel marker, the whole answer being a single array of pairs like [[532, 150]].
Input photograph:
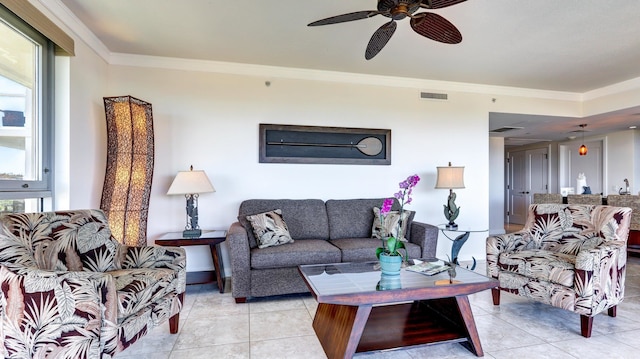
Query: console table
[[209, 238], [459, 240]]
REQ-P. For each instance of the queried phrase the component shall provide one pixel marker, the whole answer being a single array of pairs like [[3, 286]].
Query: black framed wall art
[[325, 145]]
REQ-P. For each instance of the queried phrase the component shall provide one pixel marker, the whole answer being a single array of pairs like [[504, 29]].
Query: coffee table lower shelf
[[344, 330]]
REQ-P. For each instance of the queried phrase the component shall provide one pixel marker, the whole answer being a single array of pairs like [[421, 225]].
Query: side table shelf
[[208, 238]]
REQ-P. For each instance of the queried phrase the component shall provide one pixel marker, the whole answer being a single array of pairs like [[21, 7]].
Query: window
[[26, 116]]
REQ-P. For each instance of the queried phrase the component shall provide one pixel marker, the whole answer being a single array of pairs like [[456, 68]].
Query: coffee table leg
[[339, 328], [470, 325]]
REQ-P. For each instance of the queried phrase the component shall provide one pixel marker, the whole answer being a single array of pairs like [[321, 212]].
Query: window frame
[[41, 188]]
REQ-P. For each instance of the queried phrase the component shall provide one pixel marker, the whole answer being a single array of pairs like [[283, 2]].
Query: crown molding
[[269, 72], [624, 86]]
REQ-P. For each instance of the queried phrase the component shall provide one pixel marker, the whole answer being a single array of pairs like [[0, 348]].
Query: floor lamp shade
[[127, 182]]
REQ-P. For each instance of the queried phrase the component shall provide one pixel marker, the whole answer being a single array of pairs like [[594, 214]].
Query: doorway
[[527, 173]]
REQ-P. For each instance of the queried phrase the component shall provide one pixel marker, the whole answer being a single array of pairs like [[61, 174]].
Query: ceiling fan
[[427, 24]]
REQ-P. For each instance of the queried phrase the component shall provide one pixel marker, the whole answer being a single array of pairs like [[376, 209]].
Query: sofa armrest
[[504, 243], [600, 276], [41, 309], [426, 236], [240, 255]]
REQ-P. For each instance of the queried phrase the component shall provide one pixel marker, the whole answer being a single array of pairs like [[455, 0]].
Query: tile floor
[[213, 326]]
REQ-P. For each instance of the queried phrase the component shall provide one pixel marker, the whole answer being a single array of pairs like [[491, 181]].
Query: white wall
[[621, 161], [210, 120], [497, 206], [87, 152]]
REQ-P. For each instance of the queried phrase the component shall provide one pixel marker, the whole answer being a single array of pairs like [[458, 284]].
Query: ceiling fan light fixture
[[427, 24]]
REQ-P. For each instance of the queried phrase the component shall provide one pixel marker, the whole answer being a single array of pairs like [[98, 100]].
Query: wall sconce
[[451, 178], [583, 149], [191, 183], [127, 181]]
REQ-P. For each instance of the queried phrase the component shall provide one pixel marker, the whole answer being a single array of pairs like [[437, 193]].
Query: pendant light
[[583, 149]]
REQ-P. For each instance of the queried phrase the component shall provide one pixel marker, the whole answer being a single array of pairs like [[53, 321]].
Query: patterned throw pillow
[[389, 225], [269, 228]]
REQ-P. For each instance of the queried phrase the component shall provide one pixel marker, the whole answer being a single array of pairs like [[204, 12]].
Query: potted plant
[[390, 254]]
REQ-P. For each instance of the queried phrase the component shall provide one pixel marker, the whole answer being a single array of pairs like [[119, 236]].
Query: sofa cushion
[[388, 225], [140, 288], [541, 265], [364, 249], [269, 229], [305, 218], [306, 251], [351, 218]]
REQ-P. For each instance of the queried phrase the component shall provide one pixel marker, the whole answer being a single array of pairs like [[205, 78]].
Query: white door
[[517, 191], [528, 173], [538, 172]]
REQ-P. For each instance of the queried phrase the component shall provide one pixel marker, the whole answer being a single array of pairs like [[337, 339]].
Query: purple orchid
[[391, 245], [386, 206]]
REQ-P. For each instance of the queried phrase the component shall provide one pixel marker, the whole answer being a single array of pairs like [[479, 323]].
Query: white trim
[[268, 72], [629, 85]]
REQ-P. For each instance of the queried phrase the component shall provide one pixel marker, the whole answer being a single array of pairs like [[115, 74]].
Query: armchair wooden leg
[[586, 323], [240, 300], [495, 293], [613, 311], [174, 322]]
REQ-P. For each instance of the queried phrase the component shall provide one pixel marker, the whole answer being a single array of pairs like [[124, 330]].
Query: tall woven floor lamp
[[127, 182]]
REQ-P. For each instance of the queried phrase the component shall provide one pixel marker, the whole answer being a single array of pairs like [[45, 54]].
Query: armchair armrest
[[152, 257], [39, 309], [426, 236], [600, 276], [239, 253], [504, 243], [174, 258]]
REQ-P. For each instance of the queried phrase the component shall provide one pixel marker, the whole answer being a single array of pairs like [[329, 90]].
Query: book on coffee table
[[428, 268]]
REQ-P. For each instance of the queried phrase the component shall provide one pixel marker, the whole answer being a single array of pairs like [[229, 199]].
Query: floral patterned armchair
[[69, 290], [569, 256]]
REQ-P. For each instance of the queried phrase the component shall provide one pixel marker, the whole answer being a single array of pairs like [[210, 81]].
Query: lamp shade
[[450, 177], [190, 182]]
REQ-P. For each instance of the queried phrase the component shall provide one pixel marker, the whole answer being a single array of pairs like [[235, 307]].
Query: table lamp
[[191, 183], [451, 177]]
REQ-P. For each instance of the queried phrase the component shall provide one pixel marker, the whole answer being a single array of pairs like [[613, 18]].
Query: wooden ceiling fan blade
[[436, 28], [380, 39], [358, 15], [439, 4]]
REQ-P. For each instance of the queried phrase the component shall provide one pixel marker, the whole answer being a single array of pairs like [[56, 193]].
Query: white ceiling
[[561, 45]]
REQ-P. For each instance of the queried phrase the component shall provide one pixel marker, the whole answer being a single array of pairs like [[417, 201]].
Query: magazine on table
[[428, 268]]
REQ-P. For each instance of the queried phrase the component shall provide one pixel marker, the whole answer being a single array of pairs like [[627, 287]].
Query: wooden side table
[[209, 238]]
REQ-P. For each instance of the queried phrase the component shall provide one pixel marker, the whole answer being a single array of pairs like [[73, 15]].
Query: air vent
[[506, 129], [434, 96]]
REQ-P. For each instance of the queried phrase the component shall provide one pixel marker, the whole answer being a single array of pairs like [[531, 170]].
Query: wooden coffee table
[[353, 316]]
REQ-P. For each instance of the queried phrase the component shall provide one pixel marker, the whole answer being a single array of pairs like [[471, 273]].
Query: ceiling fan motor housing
[[398, 9]]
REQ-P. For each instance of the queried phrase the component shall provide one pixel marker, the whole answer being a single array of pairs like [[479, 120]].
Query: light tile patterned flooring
[[213, 326]]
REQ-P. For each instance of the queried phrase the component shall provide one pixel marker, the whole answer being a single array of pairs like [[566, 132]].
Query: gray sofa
[[323, 232]]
